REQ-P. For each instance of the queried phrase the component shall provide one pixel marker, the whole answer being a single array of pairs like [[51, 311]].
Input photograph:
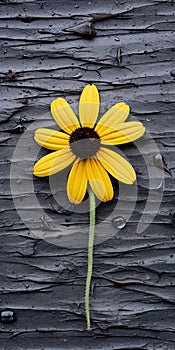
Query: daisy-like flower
[[85, 143]]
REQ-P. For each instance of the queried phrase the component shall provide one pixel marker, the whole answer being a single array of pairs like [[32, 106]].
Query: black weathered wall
[[55, 47]]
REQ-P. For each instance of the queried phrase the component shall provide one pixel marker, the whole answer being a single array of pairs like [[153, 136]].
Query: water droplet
[[10, 75], [119, 222], [18, 129], [172, 73], [159, 162], [7, 316], [158, 158]]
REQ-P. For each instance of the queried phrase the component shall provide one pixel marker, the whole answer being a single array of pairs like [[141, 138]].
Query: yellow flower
[[84, 142]]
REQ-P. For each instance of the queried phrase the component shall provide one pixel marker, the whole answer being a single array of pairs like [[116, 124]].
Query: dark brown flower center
[[84, 142]]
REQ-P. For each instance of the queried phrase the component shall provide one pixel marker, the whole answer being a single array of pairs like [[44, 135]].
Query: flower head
[[85, 142]]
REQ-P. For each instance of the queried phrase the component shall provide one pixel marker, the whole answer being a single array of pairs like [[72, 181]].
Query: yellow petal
[[126, 132], [64, 115], [114, 116], [51, 139], [99, 180], [77, 182], [54, 162], [116, 165], [89, 106]]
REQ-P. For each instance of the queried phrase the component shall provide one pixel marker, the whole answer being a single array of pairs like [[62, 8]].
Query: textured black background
[[55, 47]]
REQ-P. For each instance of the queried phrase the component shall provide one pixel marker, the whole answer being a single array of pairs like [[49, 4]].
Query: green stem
[[90, 254]]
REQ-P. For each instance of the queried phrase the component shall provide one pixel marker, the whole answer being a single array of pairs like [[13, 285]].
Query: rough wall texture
[[126, 48]]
